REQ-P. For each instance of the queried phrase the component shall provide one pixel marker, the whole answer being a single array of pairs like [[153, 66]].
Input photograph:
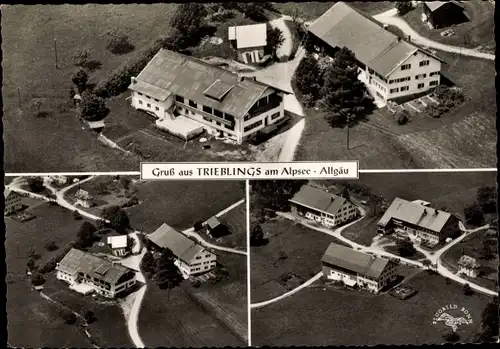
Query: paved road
[[289, 293], [191, 232], [133, 318], [390, 17], [292, 140]]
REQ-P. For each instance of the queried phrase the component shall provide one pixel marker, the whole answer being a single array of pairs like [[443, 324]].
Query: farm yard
[[324, 316], [27, 310], [285, 261], [212, 315]]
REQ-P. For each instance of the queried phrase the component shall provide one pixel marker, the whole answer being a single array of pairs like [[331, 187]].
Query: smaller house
[[118, 245], [441, 14], [191, 258], [12, 201], [468, 266], [320, 206], [83, 198], [249, 41]]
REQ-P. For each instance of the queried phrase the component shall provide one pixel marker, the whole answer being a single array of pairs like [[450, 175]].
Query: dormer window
[[218, 90]]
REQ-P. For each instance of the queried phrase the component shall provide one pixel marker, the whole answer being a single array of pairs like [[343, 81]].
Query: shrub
[[37, 280], [198, 225], [51, 246], [69, 317], [49, 266], [119, 44], [81, 56], [467, 290], [93, 107], [402, 117], [80, 78]]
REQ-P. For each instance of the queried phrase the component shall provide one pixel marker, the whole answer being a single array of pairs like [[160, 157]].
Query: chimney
[[425, 212], [409, 37], [436, 212], [134, 80]]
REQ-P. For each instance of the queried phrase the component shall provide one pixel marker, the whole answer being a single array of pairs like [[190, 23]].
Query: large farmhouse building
[[390, 66], [417, 219], [317, 205], [353, 268], [87, 273], [249, 41], [189, 95], [12, 201], [191, 258]]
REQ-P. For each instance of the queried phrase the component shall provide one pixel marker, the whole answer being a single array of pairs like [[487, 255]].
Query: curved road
[[390, 17]]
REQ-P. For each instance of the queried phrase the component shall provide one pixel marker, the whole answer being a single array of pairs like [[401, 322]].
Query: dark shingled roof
[[415, 213], [180, 245], [173, 73], [318, 199], [374, 46], [79, 261], [355, 261]]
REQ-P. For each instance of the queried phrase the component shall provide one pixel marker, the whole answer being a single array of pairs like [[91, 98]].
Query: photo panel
[[237, 81], [403, 258], [114, 261]]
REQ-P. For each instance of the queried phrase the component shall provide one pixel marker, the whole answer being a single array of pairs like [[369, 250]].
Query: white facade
[[212, 121], [345, 213], [472, 272], [12, 203], [204, 261], [84, 203], [371, 284], [417, 74]]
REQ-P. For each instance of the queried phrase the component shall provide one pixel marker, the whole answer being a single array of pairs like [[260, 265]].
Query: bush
[[49, 266], [51, 246], [37, 280], [198, 225], [402, 117], [473, 214], [467, 290], [69, 317], [448, 98], [93, 107], [81, 56], [119, 44], [80, 78]]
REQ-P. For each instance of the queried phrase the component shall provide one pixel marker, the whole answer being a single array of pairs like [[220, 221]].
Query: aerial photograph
[[401, 258], [407, 84], [113, 261]]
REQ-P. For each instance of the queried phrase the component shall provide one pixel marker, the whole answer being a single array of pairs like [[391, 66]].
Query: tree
[[93, 107], [80, 78], [486, 198], [117, 217], [31, 264], [69, 317], [307, 79], [81, 56], [198, 225], [405, 248], [403, 7], [467, 290], [490, 320], [89, 316], [402, 117], [450, 336], [345, 100], [167, 275], [473, 214], [253, 11], [35, 184], [148, 263], [119, 44], [37, 280], [256, 235], [275, 40], [189, 19], [86, 235]]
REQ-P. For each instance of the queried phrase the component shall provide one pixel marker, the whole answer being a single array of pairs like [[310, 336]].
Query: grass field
[[318, 316], [211, 315], [308, 10], [286, 252], [472, 246], [463, 138], [236, 221], [30, 313], [478, 32], [29, 65]]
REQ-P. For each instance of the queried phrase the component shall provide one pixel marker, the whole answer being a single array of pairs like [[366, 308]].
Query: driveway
[[390, 17]]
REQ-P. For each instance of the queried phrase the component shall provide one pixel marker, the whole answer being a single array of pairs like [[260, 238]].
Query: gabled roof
[[434, 5], [180, 245], [119, 241], [468, 262], [83, 195], [318, 199], [415, 213], [7, 192], [355, 261], [373, 45], [213, 222], [246, 36], [79, 261], [173, 73]]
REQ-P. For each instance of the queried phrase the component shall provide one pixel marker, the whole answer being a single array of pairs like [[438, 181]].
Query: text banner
[[249, 170]]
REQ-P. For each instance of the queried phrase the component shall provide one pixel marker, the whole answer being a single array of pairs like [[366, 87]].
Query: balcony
[[274, 102]]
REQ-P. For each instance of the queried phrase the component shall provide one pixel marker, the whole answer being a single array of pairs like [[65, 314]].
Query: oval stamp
[[453, 316]]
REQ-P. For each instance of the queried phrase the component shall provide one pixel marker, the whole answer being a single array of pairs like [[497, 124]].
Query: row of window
[[434, 73], [206, 256], [208, 119], [205, 108], [406, 78], [432, 83], [252, 126], [141, 94], [275, 116], [421, 64], [149, 105]]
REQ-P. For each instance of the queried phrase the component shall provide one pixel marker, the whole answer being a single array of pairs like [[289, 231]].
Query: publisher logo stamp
[[452, 316]]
